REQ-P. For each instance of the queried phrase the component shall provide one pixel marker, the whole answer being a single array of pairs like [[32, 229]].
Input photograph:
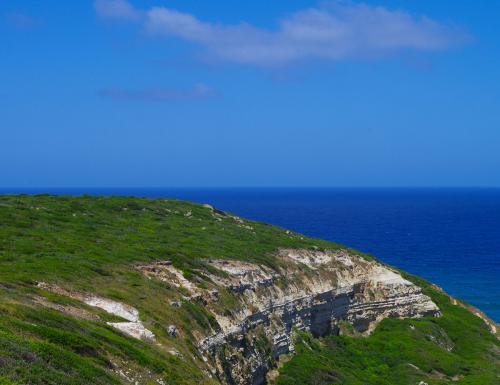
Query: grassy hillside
[[455, 348], [90, 244]]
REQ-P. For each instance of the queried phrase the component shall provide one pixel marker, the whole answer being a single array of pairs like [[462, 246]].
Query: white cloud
[[116, 9], [336, 31]]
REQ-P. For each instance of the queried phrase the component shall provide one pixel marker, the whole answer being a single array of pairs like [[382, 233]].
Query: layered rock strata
[[313, 291]]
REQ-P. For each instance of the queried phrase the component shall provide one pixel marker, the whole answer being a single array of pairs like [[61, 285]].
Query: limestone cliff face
[[313, 291]]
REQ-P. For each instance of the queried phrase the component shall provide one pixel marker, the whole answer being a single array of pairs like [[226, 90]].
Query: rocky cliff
[[124, 290], [313, 291]]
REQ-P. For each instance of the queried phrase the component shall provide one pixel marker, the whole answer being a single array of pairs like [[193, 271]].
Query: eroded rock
[[134, 327], [172, 331], [313, 291]]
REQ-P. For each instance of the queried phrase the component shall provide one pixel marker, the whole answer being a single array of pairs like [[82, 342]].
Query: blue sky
[[263, 93]]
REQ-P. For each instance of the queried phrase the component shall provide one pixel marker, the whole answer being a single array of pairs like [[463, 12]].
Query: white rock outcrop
[[313, 292], [134, 327]]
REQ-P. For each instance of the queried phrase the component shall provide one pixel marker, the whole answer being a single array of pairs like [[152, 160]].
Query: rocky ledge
[[312, 291]]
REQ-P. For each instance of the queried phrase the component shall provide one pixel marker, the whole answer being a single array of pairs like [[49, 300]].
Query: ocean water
[[449, 236]]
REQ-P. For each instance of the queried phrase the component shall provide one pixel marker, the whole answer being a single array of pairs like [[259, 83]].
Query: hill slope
[[156, 291]]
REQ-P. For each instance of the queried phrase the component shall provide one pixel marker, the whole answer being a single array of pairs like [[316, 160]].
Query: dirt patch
[[72, 311], [134, 327], [166, 272]]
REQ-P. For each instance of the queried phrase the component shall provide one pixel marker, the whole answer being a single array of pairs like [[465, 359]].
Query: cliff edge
[[124, 290]]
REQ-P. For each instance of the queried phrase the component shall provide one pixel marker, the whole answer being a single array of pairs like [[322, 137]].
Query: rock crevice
[[313, 292]]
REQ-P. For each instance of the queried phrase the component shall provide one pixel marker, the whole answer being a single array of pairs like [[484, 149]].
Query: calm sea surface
[[448, 236]]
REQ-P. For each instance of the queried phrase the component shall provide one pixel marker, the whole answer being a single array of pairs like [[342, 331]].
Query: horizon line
[[248, 187]]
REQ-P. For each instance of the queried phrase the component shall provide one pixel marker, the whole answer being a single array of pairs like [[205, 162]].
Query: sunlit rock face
[[310, 291], [313, 291]]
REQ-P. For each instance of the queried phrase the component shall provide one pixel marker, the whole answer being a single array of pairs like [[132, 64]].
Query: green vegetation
[[90, 244], [94, 235], [456, 348]]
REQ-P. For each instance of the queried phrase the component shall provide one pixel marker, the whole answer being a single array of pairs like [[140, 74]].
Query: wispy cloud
[[335, 31], [116, 9], [20, 20], [198, 91]]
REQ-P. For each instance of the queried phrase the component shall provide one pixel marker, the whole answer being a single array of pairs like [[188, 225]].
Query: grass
[[94, 234], [91, 244], [456, 348]]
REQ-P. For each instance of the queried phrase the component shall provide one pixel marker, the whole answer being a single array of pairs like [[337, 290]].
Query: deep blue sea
[[448, 236]]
